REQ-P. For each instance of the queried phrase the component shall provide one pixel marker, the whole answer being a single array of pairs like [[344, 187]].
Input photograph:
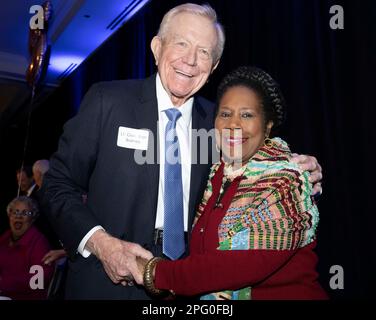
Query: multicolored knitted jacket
[[272, 208]]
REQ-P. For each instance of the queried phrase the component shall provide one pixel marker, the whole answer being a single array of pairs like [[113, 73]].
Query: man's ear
[[156, 45]]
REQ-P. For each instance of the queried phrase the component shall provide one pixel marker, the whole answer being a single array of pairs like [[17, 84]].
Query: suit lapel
[[147, 118]]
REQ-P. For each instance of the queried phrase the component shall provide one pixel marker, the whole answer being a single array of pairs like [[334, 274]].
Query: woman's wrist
[[149, 276]]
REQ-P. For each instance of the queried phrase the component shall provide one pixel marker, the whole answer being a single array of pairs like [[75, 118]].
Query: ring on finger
[[128, 278]]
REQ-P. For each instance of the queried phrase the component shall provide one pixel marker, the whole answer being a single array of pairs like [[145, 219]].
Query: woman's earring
[[268, 142], [217, 148]]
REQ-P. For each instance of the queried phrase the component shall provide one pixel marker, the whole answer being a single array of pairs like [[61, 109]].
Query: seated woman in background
[[255, 230], [22, 247]]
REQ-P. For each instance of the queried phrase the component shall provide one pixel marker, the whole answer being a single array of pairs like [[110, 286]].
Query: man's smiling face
[[185, 55]]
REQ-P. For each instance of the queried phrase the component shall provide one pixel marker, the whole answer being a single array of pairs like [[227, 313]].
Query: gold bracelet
[[149, 279]]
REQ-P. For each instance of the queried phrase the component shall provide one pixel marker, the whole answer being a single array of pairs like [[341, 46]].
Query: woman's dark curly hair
[[272, 100]]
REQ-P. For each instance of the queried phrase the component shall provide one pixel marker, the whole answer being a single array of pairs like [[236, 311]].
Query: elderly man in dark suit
[[130, 203]]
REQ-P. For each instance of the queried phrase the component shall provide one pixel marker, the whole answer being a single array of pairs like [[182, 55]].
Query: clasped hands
[[122, 261]]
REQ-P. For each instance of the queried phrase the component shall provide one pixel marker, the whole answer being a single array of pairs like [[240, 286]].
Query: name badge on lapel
[[133, 138]]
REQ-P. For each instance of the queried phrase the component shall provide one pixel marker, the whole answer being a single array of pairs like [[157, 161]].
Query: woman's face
[[19, 221], [240, 124]]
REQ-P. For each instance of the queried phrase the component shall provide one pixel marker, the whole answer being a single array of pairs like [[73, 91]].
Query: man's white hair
[[204, 10], [42, 166]]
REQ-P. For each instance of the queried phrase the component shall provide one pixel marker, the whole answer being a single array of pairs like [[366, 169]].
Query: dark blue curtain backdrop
[[327, 76]]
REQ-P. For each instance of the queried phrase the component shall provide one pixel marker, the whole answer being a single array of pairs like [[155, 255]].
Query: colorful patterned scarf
[[271, 210]]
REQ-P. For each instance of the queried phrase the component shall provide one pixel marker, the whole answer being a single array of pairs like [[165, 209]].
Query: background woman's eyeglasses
[[23, 213]]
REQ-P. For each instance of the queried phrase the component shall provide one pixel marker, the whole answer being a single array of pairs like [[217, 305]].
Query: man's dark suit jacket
[[122, 195]]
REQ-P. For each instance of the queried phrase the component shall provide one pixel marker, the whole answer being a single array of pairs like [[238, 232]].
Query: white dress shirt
[[183, 131], [30, 190]]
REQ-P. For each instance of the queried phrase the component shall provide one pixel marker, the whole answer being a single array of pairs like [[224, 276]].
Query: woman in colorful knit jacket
[[255, 230]]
